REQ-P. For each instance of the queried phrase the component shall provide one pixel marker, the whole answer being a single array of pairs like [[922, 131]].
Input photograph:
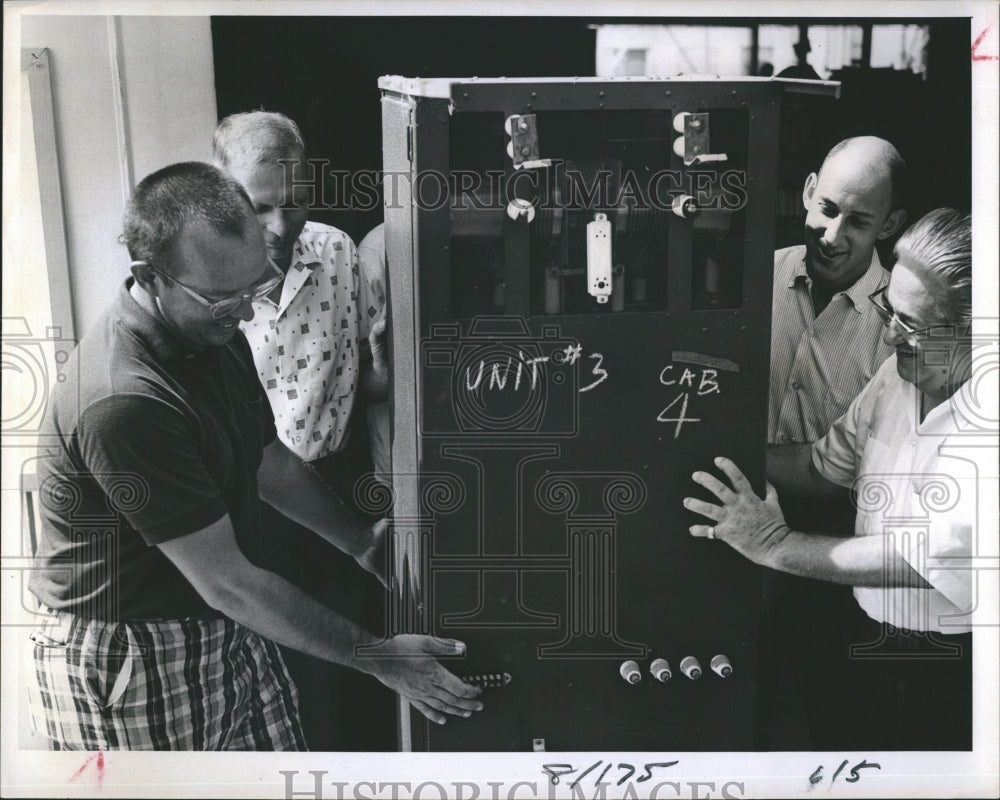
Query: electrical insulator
[[660, 670], [721, 666], [685, 207], [679, 128], [690, 667], [630, 672], [520, 210]]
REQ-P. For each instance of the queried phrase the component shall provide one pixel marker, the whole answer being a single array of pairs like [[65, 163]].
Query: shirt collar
[[161, 341], [304, 262], [874, 278], [304, 256]]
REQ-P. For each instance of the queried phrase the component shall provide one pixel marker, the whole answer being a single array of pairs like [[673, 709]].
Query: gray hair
[[256, 137], [939, 247], [167, 200]]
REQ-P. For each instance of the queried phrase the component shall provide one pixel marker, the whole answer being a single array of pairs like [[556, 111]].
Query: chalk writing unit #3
[[509, 373]]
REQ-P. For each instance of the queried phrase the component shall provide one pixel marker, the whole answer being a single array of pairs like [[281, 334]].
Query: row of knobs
[[690, 667], [488, 680]]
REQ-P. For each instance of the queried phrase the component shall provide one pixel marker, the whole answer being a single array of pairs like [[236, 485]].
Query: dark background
[[323, 72]]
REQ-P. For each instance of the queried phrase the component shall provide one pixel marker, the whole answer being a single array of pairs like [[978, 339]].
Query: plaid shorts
[[189, 684]]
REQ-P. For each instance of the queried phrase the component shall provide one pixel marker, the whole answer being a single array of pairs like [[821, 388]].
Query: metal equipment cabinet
[[580, 298]]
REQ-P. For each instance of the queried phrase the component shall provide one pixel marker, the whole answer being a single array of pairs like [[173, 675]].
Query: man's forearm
[[375, 367], [280, 611], [375, 383], [300, 493], [213, 563], [858, 561]]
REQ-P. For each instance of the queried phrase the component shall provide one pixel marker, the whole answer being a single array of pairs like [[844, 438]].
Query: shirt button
[[810, 333], [290, 378], [796, 385]]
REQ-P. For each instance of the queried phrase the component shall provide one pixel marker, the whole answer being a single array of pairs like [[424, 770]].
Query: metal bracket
[[693, 146], [523, 145]]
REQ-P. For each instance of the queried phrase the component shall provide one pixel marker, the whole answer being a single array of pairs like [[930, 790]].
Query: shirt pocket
[[836, 400]]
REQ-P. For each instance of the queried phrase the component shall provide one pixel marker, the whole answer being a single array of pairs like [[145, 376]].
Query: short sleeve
[[152, 448], [836, 456], [254, 389]]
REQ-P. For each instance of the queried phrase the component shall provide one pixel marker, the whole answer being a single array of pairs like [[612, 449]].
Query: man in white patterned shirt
[[826, 344], [309, 336], [316, 342]]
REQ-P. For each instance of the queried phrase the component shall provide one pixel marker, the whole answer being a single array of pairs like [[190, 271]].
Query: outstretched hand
[[407, 665], [753, 527]]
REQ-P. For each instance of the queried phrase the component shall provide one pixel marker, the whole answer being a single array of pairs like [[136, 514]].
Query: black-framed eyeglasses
[[889, 316], [227, 305]]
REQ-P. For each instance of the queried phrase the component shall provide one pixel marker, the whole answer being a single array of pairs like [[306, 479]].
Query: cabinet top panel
[[446, 88]]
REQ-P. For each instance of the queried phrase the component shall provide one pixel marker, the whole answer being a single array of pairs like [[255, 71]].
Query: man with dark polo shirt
[[159, 628]]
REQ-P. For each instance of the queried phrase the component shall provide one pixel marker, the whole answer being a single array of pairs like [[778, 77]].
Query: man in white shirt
[[909, 558]]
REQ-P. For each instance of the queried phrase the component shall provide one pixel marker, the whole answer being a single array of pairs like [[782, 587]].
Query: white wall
[[108, 133], [164, 112], [170, 85]]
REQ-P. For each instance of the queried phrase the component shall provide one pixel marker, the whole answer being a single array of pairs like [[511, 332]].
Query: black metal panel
[[569, 552], [539, 513]]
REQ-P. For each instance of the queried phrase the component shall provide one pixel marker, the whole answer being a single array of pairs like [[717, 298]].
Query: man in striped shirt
[[825, 336], [826, 344]]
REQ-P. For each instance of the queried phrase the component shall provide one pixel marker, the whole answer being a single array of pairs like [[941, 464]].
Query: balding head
[[878, 155], [851, 204]]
